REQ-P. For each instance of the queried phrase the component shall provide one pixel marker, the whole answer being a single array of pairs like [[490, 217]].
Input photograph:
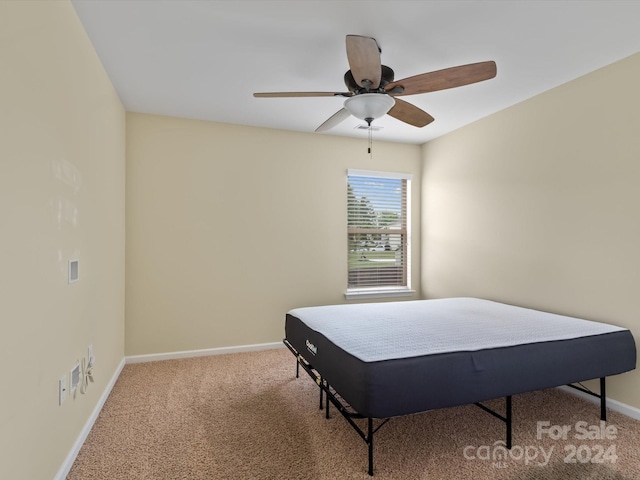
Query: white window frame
[[391, 291]]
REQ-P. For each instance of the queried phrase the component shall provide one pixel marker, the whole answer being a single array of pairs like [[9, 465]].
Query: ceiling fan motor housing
[[386, 78]]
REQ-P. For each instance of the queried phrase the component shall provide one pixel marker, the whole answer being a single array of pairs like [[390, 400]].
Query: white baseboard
[[71, 457], [614, 405], [154, 357]]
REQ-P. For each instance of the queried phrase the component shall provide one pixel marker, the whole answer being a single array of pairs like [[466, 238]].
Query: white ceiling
[[204, 59]]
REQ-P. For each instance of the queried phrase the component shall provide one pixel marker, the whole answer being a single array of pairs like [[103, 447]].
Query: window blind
[[378, 228]]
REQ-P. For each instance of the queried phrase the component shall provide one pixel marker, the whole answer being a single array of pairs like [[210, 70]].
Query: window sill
[[365, 293]]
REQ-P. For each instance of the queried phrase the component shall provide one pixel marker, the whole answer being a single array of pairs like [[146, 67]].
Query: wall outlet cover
[[62, 389]]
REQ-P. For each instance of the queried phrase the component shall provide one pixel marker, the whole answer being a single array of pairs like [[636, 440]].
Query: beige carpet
[[246, 416]]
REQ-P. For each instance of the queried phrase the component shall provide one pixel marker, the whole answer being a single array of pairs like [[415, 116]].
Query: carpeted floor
[[246, 416]]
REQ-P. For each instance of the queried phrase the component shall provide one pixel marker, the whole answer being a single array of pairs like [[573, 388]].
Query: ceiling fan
[[373, 91]]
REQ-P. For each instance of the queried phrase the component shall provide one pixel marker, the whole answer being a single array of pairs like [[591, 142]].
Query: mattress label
[[311, 347]]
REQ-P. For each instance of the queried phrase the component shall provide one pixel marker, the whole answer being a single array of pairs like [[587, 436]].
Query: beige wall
[[536, 205], [539, 205], [61, 196], [229, 227]]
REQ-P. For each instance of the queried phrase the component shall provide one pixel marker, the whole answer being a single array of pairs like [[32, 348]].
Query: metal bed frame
[[326, 391]]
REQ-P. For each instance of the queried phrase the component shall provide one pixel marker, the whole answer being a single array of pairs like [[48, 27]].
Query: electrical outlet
[[62, 389]]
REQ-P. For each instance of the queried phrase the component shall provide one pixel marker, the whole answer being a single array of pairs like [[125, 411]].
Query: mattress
[[390, 359]]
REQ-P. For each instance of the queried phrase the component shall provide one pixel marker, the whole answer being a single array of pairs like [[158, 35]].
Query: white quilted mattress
[[383, 331]]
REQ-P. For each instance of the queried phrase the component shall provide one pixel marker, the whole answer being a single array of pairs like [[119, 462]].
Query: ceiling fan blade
[[301, 94], [409, 113], [334, 120], [363, 54], [443, 79]]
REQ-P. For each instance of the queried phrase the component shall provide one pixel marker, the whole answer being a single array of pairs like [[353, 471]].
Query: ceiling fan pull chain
[[370, 141]]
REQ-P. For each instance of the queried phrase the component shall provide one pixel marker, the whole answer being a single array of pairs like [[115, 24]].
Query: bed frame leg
[[330, 397], [370, 443], [508, 421], [506, 418], [326, 413], [602, 395], [603, 399]]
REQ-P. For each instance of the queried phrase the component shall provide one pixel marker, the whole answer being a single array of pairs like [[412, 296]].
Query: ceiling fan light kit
[[369, 106], [372, 89]]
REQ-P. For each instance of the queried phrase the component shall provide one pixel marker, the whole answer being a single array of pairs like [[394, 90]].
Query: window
[[378, 233]]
